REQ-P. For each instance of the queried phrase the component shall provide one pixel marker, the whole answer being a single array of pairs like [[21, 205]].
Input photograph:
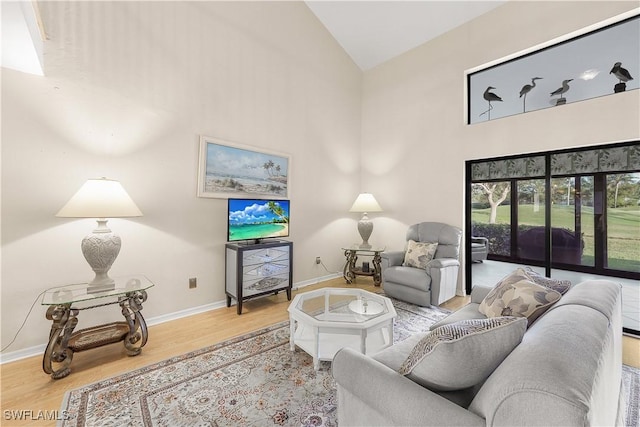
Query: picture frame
[[227, 170], [589, 63]]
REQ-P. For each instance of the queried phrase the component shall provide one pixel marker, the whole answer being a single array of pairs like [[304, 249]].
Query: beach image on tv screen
[[258, 219]]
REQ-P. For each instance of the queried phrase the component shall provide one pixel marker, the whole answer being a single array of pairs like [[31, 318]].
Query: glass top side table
[[350, 270], [65, 303]]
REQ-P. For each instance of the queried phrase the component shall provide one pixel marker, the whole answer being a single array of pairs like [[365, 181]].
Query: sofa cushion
[[567, 370], [462, 354], [560, 286], [468, 312], [418, 254], [518, 295]]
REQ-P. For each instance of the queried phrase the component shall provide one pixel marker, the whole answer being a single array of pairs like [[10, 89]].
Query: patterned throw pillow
[[518, 295], [561, 286], [419, 254], [463, 354]]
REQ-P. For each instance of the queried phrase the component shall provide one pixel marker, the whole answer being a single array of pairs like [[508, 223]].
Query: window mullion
[[600, 220]]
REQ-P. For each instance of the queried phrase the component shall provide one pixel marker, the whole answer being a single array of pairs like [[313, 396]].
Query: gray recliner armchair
[[437, 282], [479, 248]]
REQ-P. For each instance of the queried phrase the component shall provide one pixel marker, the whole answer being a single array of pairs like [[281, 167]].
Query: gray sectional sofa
[[566, 371]]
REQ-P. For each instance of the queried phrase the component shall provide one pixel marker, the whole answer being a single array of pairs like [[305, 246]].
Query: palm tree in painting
[[277, 210], [268, 166]]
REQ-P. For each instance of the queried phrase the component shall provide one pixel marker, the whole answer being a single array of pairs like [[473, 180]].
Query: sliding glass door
[[573, 210], [572, 225], [531, 219]]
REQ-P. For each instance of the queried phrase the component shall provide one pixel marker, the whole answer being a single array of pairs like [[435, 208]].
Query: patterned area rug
[[631, 380], [251, 380]]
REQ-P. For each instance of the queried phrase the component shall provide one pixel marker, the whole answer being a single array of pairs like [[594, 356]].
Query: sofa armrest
[[478, 293], [391, 258], [370, 393], [468, 312]]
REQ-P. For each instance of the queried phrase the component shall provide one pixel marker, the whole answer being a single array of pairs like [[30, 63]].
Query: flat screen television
[[257, 219]]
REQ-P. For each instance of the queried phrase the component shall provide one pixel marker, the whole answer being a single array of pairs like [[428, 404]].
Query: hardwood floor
[[631, 351], [25, 387]]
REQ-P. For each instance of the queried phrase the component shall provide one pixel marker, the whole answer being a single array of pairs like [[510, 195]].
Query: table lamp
[[365, 203], [101, 199]]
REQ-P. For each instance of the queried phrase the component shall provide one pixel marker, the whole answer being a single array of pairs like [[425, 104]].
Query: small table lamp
[[101, 199], [365, 203]]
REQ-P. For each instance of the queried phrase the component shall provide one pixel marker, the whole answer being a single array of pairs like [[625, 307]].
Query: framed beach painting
[[233, 170]]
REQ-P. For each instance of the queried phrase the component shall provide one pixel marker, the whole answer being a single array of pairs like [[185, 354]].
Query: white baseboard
[[185, 313], [316, 280], [22, 354], [38, 350]]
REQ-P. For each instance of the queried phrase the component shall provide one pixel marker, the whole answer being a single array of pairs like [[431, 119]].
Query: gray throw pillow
[[560, 286], [463, 354]]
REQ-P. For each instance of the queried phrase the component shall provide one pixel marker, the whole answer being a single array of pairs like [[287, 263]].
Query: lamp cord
[[327, 270], [23, 322]]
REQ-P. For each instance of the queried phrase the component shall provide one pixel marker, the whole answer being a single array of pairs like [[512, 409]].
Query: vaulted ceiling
[[372, 32]]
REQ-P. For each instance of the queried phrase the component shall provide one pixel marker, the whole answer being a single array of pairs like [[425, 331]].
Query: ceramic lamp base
[[101, 249], [365, 228]]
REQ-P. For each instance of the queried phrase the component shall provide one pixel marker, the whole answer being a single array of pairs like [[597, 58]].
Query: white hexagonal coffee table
[[328, 319]]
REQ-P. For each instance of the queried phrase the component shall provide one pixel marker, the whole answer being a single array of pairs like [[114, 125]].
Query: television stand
[[257, 269]]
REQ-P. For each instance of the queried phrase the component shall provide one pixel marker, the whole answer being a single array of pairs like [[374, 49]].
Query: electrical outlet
[[193, 283], [318, 261]]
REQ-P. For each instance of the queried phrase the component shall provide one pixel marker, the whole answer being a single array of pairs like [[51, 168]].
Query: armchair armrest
[[443, 263], [370, 393], [391, 258], [483, 240], [444, 279]]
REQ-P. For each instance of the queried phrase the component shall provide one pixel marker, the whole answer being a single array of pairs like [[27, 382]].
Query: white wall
[[129, 88], [415, 140]]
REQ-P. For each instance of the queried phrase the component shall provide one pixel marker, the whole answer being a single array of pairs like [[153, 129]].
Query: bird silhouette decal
[[561, 91], [621, 73], [490, 96], [525, 90]]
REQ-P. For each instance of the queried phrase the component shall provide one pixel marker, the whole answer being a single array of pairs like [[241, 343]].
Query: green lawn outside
[[623, 229]]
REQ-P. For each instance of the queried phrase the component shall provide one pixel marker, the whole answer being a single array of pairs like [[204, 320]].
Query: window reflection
[[623, 222], [491, 215]]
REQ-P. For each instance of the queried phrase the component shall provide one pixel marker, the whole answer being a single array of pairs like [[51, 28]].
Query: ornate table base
[[350, 270], [63, 342]]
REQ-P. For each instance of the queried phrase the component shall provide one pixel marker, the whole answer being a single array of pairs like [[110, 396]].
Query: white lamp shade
[[100, 198], [365, 203]]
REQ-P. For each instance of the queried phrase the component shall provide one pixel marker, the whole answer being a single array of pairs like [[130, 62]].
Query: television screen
[[255, 219]]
